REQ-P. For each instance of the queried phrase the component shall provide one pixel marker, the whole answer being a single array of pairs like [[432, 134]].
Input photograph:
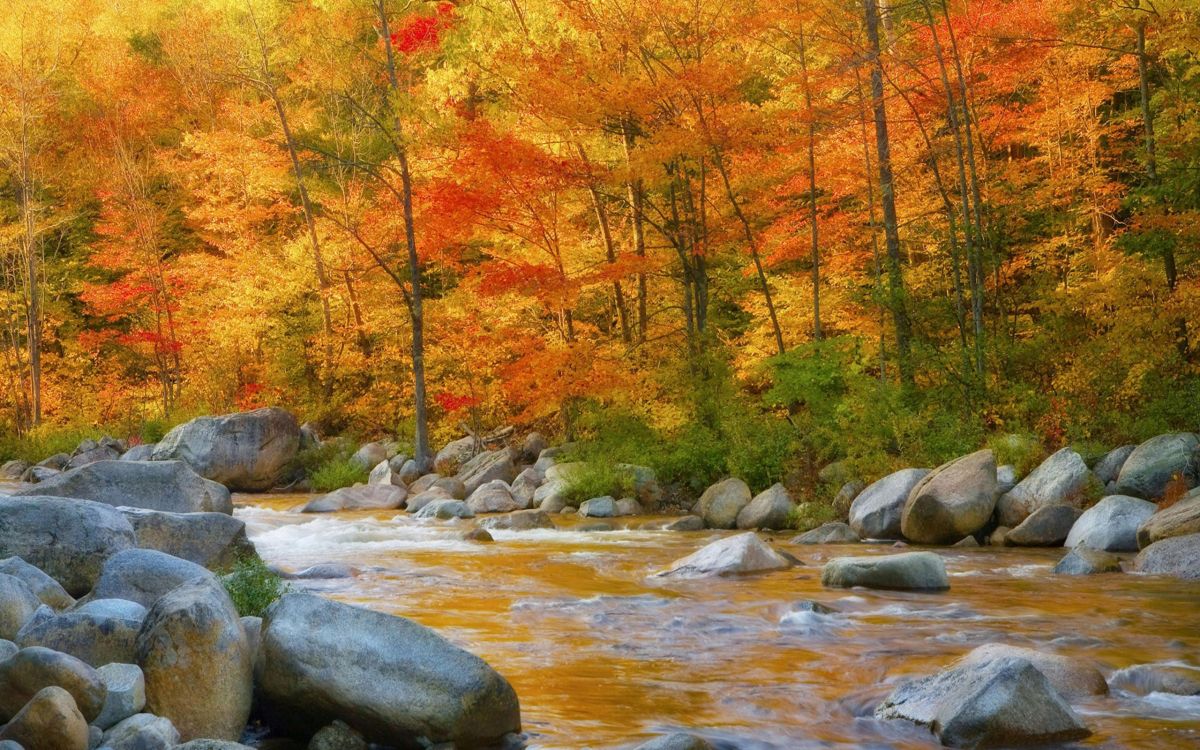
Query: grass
[[1024, 452], [253, 586], [44, 442], [335, 474], [587, 479], [807, 516]]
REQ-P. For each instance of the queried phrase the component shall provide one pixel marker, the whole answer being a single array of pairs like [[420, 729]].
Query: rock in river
[[953, 501], [1111, 524], [1082, 561], [1047, 526], [362, 497], [768, 510], [907, 570], [1158, 461], [154, 485], [1062, 479], [735, 555], [247, 452], [1178, 556], [721, 503], [213, 540], [834, 532], [876, 512], [1073, 678]]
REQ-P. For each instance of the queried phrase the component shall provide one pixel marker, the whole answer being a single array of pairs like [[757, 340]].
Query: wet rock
[[486, 467], [361, 497], [197, 663], [477, 535], [645, 484], [67, 539], [1062, 479], [905, 571], [445, 510], [143, 575], [383, 474], [30, 670], [599, 507], [834, 532], [1177, 556], [952, 501], [408, 472], [845, 498], [126, 693], [994, 704], [1156, 462], [50, 721], [143, 452], [768, 510], [337, 736], [417, 502], [94, 638], [370, 455], [1108, 468], [141, 732], [388, 677], [525, 486], [1082, 561], [721, 503], [17, 605], [966, 541], [213, 540], [1180, 519], [1048, 526], [735, 555], [627, 506], [154, 485], [522, 520], [453, 455], [1111, 525], [11, 471], [676, 741], [532, 447], [246, 452], [1144, 679], [687, 523], [1006, 478], [1071, 677], [493, 497], [877, 510], [594, 527]]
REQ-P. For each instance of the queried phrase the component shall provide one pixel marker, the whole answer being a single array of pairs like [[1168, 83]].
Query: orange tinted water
[[603, 654]]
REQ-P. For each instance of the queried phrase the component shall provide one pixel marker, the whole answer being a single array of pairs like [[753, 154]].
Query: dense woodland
[[717, 237]]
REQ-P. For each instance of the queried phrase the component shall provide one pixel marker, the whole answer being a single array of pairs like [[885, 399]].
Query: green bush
[[1024, 452], [807, 516], [253, 586], [44, 442], [337, 473], [588, 479]]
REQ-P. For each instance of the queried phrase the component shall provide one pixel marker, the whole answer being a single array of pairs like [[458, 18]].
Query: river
[[603, 654]]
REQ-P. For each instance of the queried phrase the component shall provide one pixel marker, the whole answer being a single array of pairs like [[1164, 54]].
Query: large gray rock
[[876, 512], [453, 455], [676, 741], [551, 496], [599, 507], [50, 721], [67, 539], [390, 678], [93, 454], [735, 555], [646, 488], [1177, 556], [525, 486], [361, 497], [998, 703], [769, 510], [953, 501], [143, 575], [686, 523], [721, 503], [1111, 524], [921, 571], [1108, 468], [486, 467], [493, 497], [213, 540], [521, 520], [834, 532], [445, 510], [11, 471], [17, 605], [1048, 526], [1084, 561], [417, 502], [1180, 519], [141, 732], [1071, 677], [125, 696], [197, 662], [370, 455], [43, 586], [32, 669], [1062, 479], [450, 485], [247, 452], [383, 474], [143, 452], [1155, 463], [97, 638], [1143, 679], [154, 485]]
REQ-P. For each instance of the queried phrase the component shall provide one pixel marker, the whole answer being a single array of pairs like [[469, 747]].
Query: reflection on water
[[602, 654]]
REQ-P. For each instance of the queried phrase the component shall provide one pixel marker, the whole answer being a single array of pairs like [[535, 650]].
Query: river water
[[603, 654]]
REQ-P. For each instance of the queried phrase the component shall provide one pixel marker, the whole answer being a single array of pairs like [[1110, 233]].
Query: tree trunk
[[637, 220], [33, 309], [812, 190], [610, 251]]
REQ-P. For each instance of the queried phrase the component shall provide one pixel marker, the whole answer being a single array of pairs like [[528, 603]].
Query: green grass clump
[[253, 586], [585, 480], [807, 516], [335, 474], [44, 442], [1024, 452]]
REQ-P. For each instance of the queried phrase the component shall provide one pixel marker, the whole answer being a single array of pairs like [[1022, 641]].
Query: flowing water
[[603, 654]]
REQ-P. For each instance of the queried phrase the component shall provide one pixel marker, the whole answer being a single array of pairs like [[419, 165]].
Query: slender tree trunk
[[637, 222], [33, 278], [360, 329], [812, 189], [877, 267], [610, 251]]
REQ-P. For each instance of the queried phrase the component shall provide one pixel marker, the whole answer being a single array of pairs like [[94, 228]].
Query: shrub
[[337, 473], [807, 516], [1024, 452], [588, 479], [253, 586], [44, 442]]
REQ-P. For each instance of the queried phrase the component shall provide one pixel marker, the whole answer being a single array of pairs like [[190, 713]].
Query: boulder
[[197, 662], [687, 523], [122, 608], [1177, 556], [735, 555], [599, 507], [383, 474], [845, 498], [96, 638], [521, 520], [1048, 526], [388, 677], [1111, 524], [11, 471], [370, 455], [493, 497], [646, 489], [67, 539], [92, 455], [17, 605], [1157, 462], [155, 485], [50, 721], [525, 486], [1144, 679], [920, 571], [1082, 561], [952, 501], [58, 461], [247, 452], [445, 510], [1062, 479], [31, 669], [143, 575], [1180, 519], [143, 452], [1072, 678], [126, 693], [1108, 468], [551, 497], [998, 703], [877, 510], [476, 535], [721, 503], [419, 501], [141, 732], [360, 497], [7, 650], [451, 458], [676, 741], [532, 447], [35, 474], [627, 506], [484, 468], [1006, 478], [450, 485], [213, 540], [337, 736], [408, 472], [768, 510], [834, 532]]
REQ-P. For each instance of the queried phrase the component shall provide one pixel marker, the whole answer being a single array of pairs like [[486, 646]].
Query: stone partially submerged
[[1111, 524], [735, 555], [1178, 556], [920, 571], [246, 452], [953, 501], [1062, 479], [1159, 461], [154, 485], [876, 512], [361, 497]]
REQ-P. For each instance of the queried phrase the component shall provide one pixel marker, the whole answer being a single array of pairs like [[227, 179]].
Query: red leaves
[[451, 402], [423, 33]]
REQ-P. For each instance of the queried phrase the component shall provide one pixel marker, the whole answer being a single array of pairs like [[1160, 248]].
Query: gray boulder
[[525, 486], [1006, 478], [627, 506], [1158, 461], [735, 555], [1108, 468], [998, 703], [420, 500], [486, 467], [921, 571], [1143, 679], [1084, 561], [370, 455], [143, 452], [876, 512], [17, 605], [445, 510], [31, 669], [11, 471], [953, 501], [645, 484], [451, 458], [834, 532], [493, 497], [1071, 677], [521, 520], [1178, 556], [247, 452], [212, 540], [845, 498], [408, 472], [141, 732], [96, 638], [120, 608], [1111, 524], [143, 575], [1062, 479], [551, 497], [768, 510], [450, 485], [35, 474], [599, 507], [67, 539], [383, 474], [155, 485], [388, 677], [721, 503], [125, 696], [687, 523], [361, 497], [676, 741], [50, 721], [532, 447], [7, 649], [1180, 519], [1048, 526], [58, 461]]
